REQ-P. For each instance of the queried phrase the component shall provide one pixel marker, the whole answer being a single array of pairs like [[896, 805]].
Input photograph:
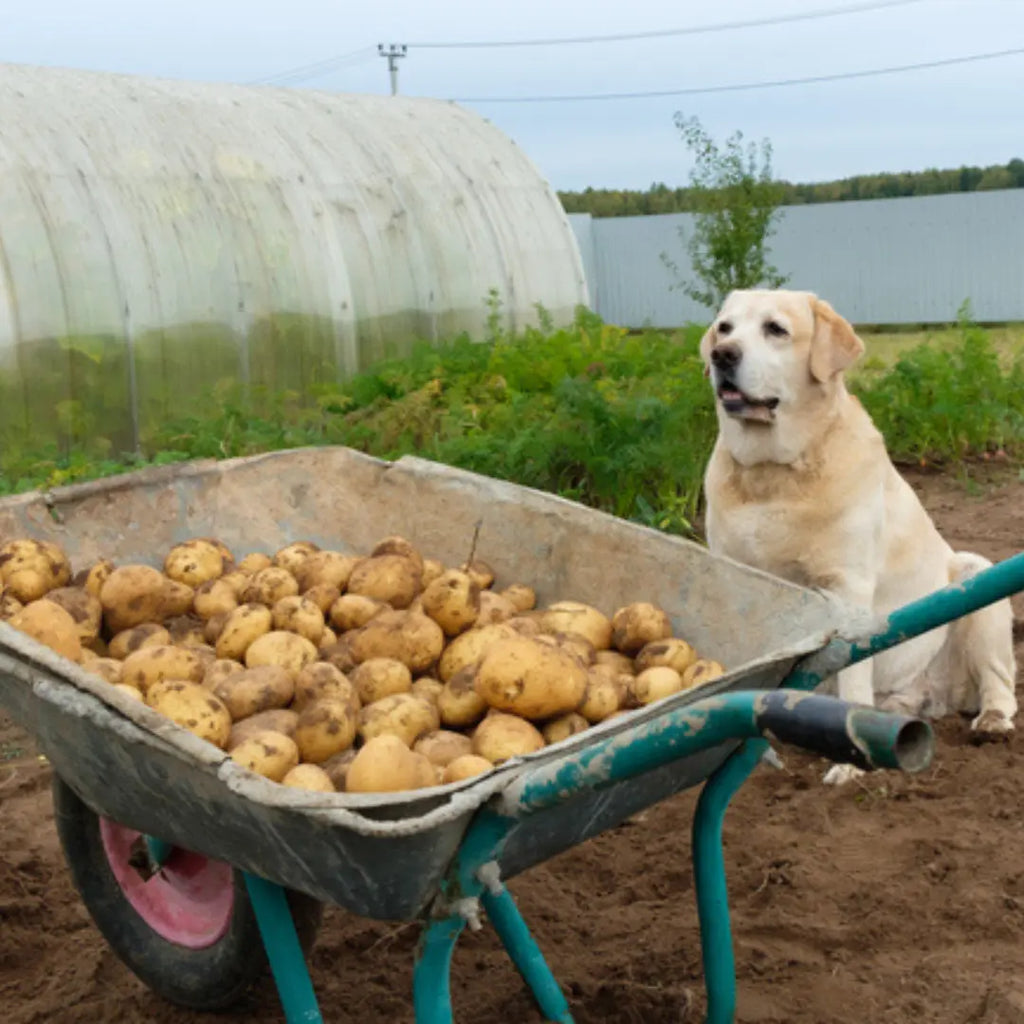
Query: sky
[[966, 113]]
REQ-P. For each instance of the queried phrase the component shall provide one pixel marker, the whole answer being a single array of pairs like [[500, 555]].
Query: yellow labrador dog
[[800, 485]]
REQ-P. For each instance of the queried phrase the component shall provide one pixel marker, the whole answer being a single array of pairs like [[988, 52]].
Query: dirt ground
[[898, 900]]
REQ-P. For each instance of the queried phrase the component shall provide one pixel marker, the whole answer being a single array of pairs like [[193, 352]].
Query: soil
[[896, 899]]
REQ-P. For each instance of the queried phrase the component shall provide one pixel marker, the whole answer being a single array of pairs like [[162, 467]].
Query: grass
[[620, 420]]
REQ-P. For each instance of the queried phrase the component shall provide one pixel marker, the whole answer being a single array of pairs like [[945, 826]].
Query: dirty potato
[[401, 715], [523, 598], [254, 562], [94, 576], [323, 595], [29, 569], [84, 608], [501, 736], [193, 708], [270, 754], [458, 703], [325, 728], [292, 557], [563, 727], [282, 720], [134, 594], [637, 624], [605, 693], [299, 615], [321, 679], [394, 579], [268, 586], [466, 767], [150, 665], [329, 569], [530, 679], [581, 619], [672, 651], [146, 634], [48, 623], [247, 623], [468, 648], [351, 611], [442, 746], [247, 693], [337, 767], [452, 601], [194, 562], [386, 765], [377, 678], [702, 671], [278, 647], [654, 684], [309, 776], [413, 639], [214, 598]]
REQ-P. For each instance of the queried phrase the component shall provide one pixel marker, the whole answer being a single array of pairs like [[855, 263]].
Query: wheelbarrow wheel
[[189, 931]]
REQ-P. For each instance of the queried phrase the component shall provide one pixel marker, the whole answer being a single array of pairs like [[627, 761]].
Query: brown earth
[[899, 899]]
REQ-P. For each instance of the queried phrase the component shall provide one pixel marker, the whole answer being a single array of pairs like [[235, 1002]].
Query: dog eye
[[724, 327], [775, 329]]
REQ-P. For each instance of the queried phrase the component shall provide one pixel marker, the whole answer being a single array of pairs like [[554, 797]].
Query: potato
[[277, 720], [622, 664], [563, 727], [442, 746], [213, 598], [377, 678], [396, 545], [150, 665], [479, 572], [351, 611], [214, 627], [128, 691], [458, 702], [237, 580], [323, 595], [320, 680], [702, 671], [337, 767], [466, 767], [469, 647], [146, 634], [264, 688], [31, 568], [299, 615], [530, 679], [245, 624], [226, 554], [254, 562], [637, 624], [501, 736], [494, 608], [48, 623], [327, 637], [288, 650], [220, 669], [415, 640], [9, 604], [325, 728], [581, 619], [309, 776], [525, 625], [523, 598], [329, 569], [93, 578], [85, 609], [194, 562], [386, 765], [205, 652], [432, 568], [268, 586], [192, 707], [672, 651], [187, 630], [452, 601], [391, 578], [270, 754], [134, 594], [107, 669], [292, 557], [338, 654], [401, 715], [572, 643], [427, 687], [654, 683], [605, 693]]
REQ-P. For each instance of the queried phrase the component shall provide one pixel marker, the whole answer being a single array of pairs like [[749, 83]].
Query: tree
[[735, 199]]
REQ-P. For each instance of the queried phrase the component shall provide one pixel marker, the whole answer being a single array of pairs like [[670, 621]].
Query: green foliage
[[735, 200], [660, 198], [943, 404]]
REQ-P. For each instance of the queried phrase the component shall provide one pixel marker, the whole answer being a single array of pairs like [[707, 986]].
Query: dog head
[[776, 362]]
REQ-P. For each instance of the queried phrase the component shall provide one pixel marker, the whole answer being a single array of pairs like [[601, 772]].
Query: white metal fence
[[888, 261]]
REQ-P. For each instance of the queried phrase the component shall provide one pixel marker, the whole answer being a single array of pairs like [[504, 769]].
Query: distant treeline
[[659, 198]]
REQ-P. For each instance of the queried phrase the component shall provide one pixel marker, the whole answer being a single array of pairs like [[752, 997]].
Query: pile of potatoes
[[335, 672]]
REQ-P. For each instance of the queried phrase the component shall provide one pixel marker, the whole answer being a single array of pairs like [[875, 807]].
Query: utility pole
[[393, 53]]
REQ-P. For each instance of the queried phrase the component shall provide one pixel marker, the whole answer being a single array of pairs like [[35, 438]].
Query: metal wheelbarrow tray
[[389, 857]]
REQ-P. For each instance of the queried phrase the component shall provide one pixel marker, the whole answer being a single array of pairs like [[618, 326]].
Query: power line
[[704, 90], [317, 68], [724, 26]]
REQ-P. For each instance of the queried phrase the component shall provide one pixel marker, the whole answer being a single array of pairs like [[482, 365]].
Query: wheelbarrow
[[199, 873]]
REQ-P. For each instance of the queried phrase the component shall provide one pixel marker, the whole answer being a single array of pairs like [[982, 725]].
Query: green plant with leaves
[[735, 199]]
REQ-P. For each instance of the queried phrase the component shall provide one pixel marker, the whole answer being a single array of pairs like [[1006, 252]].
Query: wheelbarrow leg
[[281, 941], [710, 883], [431, 984]]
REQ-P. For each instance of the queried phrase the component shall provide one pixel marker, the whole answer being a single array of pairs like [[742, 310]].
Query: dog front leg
[[854, 685]]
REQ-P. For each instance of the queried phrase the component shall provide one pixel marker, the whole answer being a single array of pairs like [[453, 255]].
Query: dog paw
[[841, 774], [991, 726]]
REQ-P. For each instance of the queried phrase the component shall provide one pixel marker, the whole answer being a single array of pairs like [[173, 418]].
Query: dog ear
[[835, 344]]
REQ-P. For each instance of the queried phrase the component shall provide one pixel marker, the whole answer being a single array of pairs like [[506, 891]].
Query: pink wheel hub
[[188, 901]]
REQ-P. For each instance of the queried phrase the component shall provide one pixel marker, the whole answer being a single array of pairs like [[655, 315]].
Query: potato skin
[[128, 641], [325, 728], [386, 765], [523, 598], [31, 568], [442, 746], [92, 578], [292, 557], [193, 708], [214, 597], [220, 669], [158, 662], [702, 671], [581, 619], [351, 611], [428, 688], [605, 693], [377, 678], [299, 615], [401, 715], [637, 624], [327, 569], [244, 625], [83, 607], [323, 595], [391, 578], [270, 754], [108, 669], [467, 766], [309, 776], [9, 604], [655, 683], [452, 601], [322, 679], [265, 688], [49, 624], [469, 647], [458, 703], [194, 562], [133, 594], [337, 767], [563, 727], [673, 651], [289, 650], [254, 562], [530, 679], [282, 720], [501, 736], [413, 639], [268, 586]]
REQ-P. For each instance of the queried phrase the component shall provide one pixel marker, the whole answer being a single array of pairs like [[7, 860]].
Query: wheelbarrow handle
[[839, 730], [939, 608]]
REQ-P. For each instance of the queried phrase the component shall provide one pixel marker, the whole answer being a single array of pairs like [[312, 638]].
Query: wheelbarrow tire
[[210, 978]]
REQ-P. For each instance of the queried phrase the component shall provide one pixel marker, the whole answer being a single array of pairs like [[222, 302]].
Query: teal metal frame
[[473, 884]]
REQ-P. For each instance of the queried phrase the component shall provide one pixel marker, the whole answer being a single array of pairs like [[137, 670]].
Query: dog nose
[[726, 356]]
